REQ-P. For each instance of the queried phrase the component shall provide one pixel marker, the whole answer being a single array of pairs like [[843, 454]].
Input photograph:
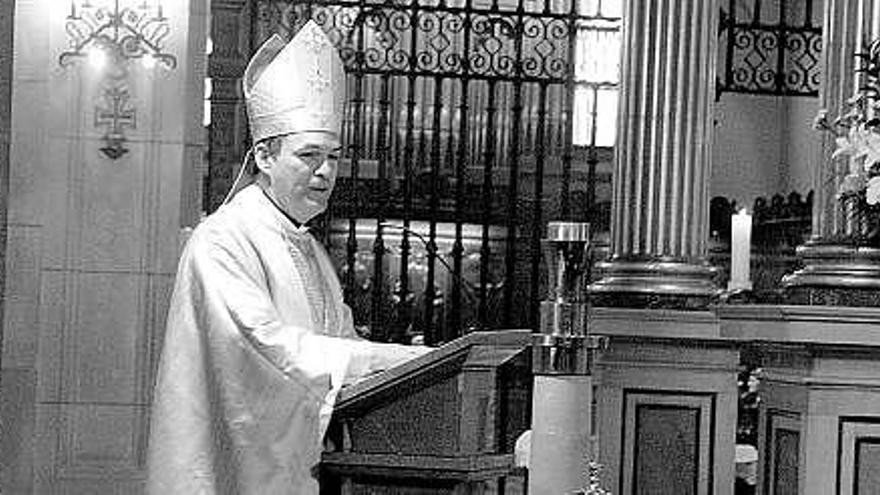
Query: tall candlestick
[[740, 251]]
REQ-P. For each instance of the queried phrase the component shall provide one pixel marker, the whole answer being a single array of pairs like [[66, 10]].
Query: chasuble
[[257, 345]]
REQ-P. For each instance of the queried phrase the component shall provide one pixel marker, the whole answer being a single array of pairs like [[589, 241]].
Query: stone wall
[[92, 250]]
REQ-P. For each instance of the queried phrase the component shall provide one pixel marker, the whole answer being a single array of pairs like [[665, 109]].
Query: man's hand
[[387, 356]]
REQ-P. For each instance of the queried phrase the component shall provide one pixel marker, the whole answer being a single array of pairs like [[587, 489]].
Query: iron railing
[[770, 47], [458, 147]]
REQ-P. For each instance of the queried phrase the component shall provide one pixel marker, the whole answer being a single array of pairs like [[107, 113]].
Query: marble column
[[659, 222], [834, 269]]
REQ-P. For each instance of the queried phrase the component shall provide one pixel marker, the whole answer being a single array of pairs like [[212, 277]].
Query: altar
[[664, 409]]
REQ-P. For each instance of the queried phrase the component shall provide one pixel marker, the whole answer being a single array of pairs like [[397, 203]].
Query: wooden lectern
[[445, 422]]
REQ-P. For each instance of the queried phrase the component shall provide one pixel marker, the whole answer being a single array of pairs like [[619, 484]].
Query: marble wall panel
[[111, 207], [87, 448], [96, 335], [21, 296], [47, 456], [32, 176], [159, 291], [95, 246], [191, 194], [100, 335], [17, 388], [59, 178], [31, 38], [104, 347], [121, 215], [56, 318], [167, 180], [75, 92], [102, 439]]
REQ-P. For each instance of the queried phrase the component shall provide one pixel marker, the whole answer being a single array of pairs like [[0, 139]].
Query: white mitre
[[295, 87]]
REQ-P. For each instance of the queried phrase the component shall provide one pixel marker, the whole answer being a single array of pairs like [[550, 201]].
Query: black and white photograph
[[439, 247]]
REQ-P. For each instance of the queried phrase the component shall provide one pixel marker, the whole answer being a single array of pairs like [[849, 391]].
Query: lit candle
[[740, 251]]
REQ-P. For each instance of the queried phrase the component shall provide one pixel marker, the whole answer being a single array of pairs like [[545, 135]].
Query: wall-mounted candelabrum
[[110, 36]]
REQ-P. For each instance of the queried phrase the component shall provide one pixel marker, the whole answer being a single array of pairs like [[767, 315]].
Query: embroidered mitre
[[295, 87]]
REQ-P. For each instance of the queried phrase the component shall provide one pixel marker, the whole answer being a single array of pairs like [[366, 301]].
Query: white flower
[[844, 147], [871, 143], [857, 136], [860, 142], [872, 193], [852, 184]]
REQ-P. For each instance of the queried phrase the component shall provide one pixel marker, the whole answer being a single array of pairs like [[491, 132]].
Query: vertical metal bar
[[731, 32], [782, 33], [355, 149], [369, 126], [592, 154], [423, 141], [379, 328], [537, 218], [567, 139], [528, 143], [757, 12], [513, 186], [457, 246], [433, 334], [404, 308], [808, 13], [447, 133], [488, 161]]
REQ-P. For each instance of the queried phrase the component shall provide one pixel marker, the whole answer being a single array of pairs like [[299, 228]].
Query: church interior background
[[470, 125]]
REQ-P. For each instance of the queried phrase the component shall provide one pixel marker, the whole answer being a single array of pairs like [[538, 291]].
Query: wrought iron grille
[[771, 47], [458, 147]]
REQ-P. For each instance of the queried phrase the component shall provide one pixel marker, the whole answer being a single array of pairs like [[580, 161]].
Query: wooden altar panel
[[667, 442], [681, 398], [667, 452], [782, 452], [867, 476], [859, 455]]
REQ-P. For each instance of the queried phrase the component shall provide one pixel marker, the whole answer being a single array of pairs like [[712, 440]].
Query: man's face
[[302, 174]]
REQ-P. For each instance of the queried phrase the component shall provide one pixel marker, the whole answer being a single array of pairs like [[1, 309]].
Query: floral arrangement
[[857, 132]]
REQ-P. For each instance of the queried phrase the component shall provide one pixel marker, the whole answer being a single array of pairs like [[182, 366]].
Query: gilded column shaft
[[846, 31], [660, 199], [836, 271]]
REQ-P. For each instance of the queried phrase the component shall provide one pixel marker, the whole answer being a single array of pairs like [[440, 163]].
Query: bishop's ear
[[263, 157]]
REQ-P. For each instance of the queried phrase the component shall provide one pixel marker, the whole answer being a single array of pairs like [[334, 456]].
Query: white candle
[[740, 251]]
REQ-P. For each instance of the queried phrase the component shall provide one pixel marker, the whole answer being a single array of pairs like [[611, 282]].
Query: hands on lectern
[[386, 356]]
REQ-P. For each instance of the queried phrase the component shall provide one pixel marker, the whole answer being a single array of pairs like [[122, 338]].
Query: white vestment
[[258, 343]]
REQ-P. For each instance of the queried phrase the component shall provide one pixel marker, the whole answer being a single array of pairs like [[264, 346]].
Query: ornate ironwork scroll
[[774, 52]]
